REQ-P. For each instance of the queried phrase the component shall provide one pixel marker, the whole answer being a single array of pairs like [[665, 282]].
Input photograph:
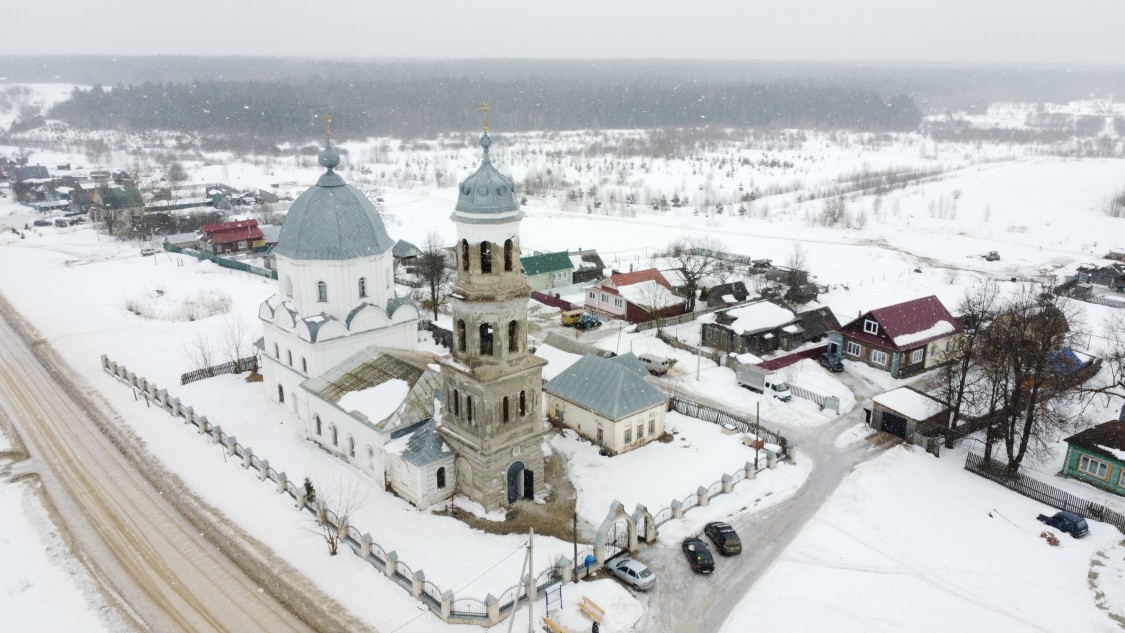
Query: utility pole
[[576, 541], [530, 580]]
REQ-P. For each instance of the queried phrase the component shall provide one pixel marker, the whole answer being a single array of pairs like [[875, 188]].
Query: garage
[[906, 412]]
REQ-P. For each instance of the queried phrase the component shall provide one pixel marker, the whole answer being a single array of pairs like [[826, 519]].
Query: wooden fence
[[250, 363], [552, 301], [1044, 493]]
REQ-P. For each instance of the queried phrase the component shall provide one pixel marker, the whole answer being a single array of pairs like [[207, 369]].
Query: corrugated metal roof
[[546, 263], [609, 388], [426, 446], [566, 344]]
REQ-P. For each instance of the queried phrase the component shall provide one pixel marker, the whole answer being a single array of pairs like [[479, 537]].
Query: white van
[[148, 250], [657, 365]]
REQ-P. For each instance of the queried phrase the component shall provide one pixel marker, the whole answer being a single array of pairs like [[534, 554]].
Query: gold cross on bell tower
[[327, 126], [484, 114]]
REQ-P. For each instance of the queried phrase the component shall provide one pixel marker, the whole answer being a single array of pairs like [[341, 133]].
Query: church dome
[[486, 192], [332, 220]]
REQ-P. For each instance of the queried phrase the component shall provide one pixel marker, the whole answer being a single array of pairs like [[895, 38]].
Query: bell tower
[[491, 385]]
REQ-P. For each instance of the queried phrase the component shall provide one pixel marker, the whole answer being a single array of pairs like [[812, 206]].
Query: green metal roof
[[545, 263], [611, 388]]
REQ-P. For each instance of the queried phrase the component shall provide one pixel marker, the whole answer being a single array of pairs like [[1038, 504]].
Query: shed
[[420, 466], [905, 412], [1097, 456]]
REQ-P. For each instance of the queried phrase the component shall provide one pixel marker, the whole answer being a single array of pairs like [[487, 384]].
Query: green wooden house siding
[[1112, 482]]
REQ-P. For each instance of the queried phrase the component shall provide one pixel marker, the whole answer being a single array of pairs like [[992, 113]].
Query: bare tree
[[1111, 382], [332, 507], [434, 269], [236, 338], [956, 381], [1028, 397], [200, 353], [654, 299], [696, 257]]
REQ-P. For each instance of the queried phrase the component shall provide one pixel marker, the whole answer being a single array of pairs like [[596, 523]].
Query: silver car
[[634, 573]]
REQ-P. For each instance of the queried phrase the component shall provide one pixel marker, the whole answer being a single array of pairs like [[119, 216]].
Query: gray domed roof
[[332, 220], [486, 191]]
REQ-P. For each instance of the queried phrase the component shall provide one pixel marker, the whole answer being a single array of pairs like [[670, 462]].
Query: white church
[[340, 348]]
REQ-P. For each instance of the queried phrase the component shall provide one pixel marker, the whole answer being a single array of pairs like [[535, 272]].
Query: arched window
[[523, 403], [316, 421], [287, 286], [370, 458], [289, 353], [362, 287], [504, 409], [461, 335], [281, 394], [509, 255], [465, 255], [441, 477], [486, 339], [456, 403], [321, 291], [469, 409], [304, 365], [513, 336], [485, 257], [351, 447], [276, 351], [334, 434]]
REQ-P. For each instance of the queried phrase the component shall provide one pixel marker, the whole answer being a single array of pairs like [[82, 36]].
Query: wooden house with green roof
[[1097, 456], [548, 270]]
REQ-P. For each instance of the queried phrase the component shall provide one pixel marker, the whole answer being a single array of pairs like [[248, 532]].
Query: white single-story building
[[608, 401], [420, 466]]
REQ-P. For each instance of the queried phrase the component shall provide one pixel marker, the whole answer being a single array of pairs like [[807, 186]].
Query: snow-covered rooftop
[[759, 316], [379, 402], [937, 329], [910, 403]]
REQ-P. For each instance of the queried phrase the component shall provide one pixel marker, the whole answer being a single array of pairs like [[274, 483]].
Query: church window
[[362, 287], [304, 365], [281, 394], [321, 291], [276, 351], [486, 339], [461, 335], [509, 255], [316, 421], [523, 403], [289, 353], [465, 255], [485, 257], [287, 286], [513, 336], [351, 446], [335, 436], [469, 409], [504, 409], [441, 477], [456, 403], [371, 458]]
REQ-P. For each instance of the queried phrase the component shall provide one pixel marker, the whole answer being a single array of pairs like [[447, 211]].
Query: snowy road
[[683, 601], [159, 569]]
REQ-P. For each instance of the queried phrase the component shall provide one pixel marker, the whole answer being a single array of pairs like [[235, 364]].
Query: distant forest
[[292, 110]]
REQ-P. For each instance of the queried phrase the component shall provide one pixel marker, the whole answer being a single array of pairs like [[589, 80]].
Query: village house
[[904, 339], [1097, 456], [637, 297], [763, 327], [725, 295], [547, 270], [607, 401], [231, 237], [907, 412], [404, 252], [588, 266]]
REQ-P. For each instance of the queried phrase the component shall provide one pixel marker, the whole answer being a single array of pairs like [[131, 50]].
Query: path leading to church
[[151, 561]]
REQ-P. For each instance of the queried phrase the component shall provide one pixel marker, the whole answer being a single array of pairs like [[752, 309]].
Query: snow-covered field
[[906, 543]]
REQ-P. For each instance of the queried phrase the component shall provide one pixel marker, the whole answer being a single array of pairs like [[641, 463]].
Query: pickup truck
[[761, 380], [1068, 522]]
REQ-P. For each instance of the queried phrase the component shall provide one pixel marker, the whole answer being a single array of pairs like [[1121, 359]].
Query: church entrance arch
[[516, 481], [617, 534]]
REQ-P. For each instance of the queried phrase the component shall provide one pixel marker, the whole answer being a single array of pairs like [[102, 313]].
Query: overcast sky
[[1074, 31]]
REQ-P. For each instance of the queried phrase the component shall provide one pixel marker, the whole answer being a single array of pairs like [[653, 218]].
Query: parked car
[[42, 223], [570, 318], [1068, 522], [655, 364], [698, 555], [991, 256], [830, 362], [148, 250], [724, 537], [635, 573]]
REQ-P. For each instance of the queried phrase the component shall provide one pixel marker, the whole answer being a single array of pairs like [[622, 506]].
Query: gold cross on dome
[[327, 126], [484, 114]]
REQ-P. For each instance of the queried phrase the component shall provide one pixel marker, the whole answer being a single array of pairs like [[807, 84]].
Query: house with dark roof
[[1097, 456], [588, 266], [639, 296], [231, 237], [608, 401], [724, 295], [547, 270], [762, 327], [404, 251], [904, 339]]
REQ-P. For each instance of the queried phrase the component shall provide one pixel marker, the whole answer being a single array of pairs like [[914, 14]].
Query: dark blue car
[[1068, 522]]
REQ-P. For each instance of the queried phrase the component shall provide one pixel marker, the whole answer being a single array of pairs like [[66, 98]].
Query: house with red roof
[[231, 237], [637, 297], [904, 339]]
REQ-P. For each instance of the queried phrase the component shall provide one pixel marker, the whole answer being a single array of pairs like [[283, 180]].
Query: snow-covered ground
[[913, 543]]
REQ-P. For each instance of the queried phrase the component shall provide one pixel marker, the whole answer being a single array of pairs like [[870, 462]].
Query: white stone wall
[[298, 278], [587, 423], [331, 416]]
